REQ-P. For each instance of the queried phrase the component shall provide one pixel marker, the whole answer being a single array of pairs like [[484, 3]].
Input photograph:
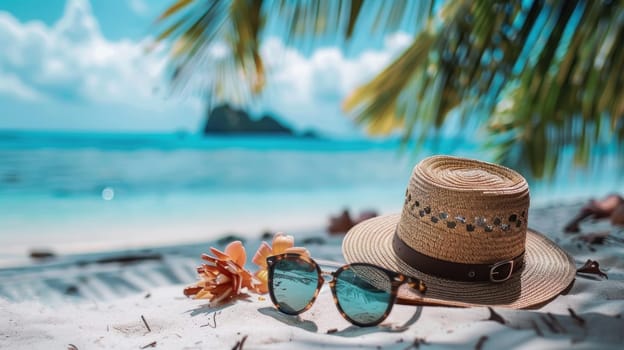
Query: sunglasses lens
[[294, 284], [364, 293]]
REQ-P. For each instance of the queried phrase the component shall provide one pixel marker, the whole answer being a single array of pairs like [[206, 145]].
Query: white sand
[[180, 323], [177, 322]]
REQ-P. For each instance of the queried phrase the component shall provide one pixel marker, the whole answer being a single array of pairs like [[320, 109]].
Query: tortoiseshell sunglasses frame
[[396, 280]]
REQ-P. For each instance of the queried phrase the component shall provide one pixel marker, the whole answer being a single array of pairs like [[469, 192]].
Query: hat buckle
[[494, 270]]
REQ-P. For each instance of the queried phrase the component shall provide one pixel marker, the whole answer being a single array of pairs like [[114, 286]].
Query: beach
[[118, 224], [156, 152], [99, 300]]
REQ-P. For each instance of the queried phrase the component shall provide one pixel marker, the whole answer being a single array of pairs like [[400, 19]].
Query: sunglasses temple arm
[[416, 284], [416, 302], [420, 287]]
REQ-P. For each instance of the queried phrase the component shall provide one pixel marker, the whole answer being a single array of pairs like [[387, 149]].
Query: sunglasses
[[363, 293]]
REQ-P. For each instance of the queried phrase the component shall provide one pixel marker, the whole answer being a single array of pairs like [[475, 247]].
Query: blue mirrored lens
[[294, 284], [364, 293]]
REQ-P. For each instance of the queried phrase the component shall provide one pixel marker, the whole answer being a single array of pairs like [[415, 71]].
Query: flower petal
[[222, 295], [192, 290], [263, 252], [262, 276], [223, 279], [204, 294], [223, 275], [281, 242], [236, 251], [209, 258], [298, 250], [219, 254], [218, 293], [223, 269], [249, 281]]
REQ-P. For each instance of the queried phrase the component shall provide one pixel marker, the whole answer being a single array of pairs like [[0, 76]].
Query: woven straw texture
[[547, 271], [466, 211]]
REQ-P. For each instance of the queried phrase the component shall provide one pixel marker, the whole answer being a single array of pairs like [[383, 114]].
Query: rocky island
[[225, 120]]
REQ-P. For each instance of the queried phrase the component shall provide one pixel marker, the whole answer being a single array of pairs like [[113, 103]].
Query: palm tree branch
[[551, 77]]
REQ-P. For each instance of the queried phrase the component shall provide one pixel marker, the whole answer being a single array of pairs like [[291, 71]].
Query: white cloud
[[77, 25], [10, 84], [73, 60], [306, 90], [310, 89], [398, 41]]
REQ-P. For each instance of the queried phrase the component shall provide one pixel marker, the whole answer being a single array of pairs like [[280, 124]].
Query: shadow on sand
[[351, 331]]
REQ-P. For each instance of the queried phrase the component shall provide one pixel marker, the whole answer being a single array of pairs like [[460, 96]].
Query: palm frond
[[385, 100], [575, 96], [193, 28], [218, 39], [248, 21], [174, 8], [543, 77]]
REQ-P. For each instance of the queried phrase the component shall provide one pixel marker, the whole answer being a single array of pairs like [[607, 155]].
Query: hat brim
[[547, 271]]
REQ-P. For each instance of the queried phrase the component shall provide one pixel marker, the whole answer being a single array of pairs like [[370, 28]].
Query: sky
[[80, 65]]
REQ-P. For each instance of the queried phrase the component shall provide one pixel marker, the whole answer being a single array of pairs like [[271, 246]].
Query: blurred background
[[142, 123]]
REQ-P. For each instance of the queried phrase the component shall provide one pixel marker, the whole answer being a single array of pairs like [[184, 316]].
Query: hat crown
[[465, 211]]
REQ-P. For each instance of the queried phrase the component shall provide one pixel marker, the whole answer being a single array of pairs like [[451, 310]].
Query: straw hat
[[463, 230]]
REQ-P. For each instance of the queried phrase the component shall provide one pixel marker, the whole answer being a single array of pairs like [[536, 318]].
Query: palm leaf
[[542, 77], [174, 8], [193, 27], [540, 58]]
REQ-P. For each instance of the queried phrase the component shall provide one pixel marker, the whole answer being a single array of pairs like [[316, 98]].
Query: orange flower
[[281, 244], [223, 276]]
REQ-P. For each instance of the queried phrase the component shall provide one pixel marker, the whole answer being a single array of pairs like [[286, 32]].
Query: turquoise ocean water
[[77, 191]]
